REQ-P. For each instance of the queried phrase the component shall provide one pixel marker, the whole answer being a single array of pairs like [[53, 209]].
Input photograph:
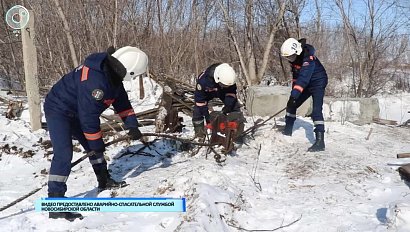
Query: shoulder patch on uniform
[[305, 64], [97, 94], [198, 87]]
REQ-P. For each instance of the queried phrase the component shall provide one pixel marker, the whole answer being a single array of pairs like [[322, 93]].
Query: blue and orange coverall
[[72, 109], [207, 89], [309, 79]]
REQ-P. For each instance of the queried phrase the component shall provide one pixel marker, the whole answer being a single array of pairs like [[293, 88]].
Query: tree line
[[363, 44]]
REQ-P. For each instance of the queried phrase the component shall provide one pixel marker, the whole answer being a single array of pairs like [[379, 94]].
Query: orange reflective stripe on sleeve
[[84, 74], [108, 102], [298, 87], [94, 136], [201, 103], [126, 113], [231, 95]]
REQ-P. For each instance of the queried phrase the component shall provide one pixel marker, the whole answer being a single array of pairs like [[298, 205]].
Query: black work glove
[[225, 110], [291, 102], [135, 133]]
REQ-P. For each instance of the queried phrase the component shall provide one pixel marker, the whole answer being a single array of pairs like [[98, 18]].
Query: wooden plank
[[384, 121], [403, 155]]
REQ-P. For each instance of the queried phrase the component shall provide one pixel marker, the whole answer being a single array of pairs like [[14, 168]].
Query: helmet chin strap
[[291, 58]]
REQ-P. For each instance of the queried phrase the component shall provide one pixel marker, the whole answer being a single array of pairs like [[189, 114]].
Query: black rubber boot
[[199, 129], [106, 182], [70, 216], [287, 130], [319, 144]]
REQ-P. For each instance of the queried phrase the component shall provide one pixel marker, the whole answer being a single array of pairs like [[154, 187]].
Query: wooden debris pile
[[12, 108], [14, 150], [177, 96]]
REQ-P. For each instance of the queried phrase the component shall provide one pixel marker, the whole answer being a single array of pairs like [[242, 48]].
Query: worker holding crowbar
[[73, 108]]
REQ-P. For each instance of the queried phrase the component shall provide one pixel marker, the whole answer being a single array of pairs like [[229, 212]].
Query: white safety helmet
[[225, 74], [133, 59], [290, 47]]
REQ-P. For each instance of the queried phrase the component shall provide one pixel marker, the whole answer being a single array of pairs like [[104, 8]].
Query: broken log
[[142, 92], [403, 155], [14, 109], [404, 172], [164, 108], [384, 121]]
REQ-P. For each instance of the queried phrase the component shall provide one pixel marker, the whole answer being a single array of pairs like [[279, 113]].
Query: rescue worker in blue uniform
[[217, 81], [73, 107], [309, 79]]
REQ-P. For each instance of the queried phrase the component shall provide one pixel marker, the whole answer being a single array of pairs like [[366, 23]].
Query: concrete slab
[[356, 110], [268, 100]]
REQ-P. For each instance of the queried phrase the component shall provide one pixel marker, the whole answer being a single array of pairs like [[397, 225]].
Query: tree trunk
[[115, 23], [67, 33], [269, 44]]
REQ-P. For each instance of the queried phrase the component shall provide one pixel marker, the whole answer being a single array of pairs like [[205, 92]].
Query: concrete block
[[268, 100], [356, 110]]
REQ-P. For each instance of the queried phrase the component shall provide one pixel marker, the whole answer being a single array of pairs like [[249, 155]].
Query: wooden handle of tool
[[403, 155]]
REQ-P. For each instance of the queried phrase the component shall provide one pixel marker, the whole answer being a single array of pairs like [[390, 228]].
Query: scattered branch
[[370, 132], [254, 169], [228, 203]]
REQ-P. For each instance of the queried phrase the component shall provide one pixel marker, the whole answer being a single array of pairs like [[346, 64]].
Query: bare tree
[[67, 31], [247, 57], [295, 8], [183, 37], [368, 40]]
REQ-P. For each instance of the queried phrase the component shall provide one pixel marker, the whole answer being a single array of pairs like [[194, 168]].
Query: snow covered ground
[[270, 181]]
